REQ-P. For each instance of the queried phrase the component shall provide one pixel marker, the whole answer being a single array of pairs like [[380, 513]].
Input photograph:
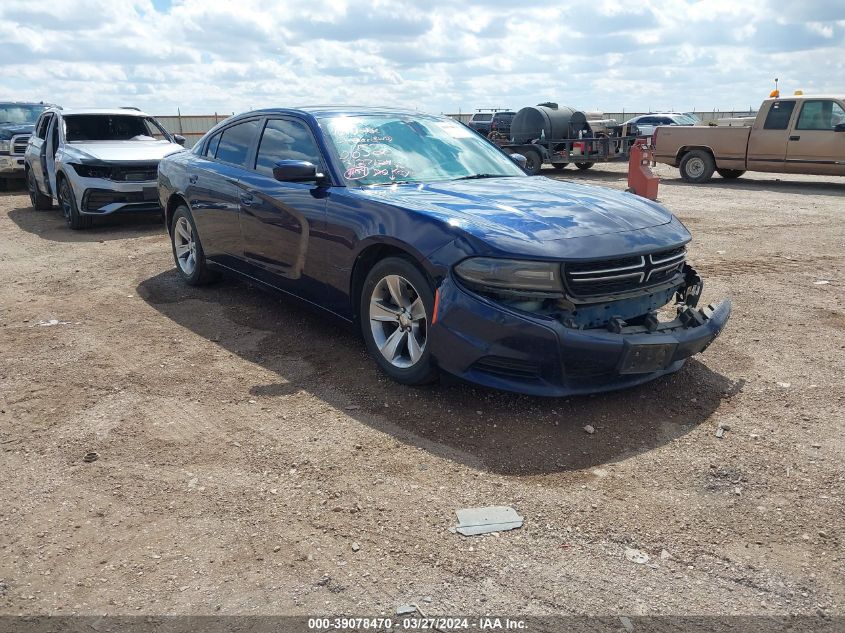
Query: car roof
[[324, 111], [26, 103], [124, 111]]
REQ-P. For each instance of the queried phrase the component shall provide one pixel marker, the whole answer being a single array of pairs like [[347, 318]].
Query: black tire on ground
[[534, 162], [559, 166], [413, 286], [697, 166], [39, 201], [67, 203], [185, 240], [584, 166], [4, 184], [730, 174]]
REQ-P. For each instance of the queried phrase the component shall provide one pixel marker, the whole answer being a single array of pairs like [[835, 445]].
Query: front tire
[[584, 166], [39, 201], [559, 166], [67, 203], [697, 166], [395, 311], [730, 174], [187, 249]]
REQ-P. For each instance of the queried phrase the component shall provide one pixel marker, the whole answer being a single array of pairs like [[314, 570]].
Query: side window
[[779, 115], [285, 139], [235, 142], [211, 148], [820, 115], [41, 128]]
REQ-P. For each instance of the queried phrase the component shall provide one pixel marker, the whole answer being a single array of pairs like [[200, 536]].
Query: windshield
[[112, 127], [19, 113], [376, 150]]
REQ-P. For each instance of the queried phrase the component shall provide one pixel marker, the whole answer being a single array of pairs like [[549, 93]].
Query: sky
[[206, 56]]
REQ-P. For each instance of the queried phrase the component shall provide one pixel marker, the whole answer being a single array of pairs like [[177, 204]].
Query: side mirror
[[296, 171], [180, 140], [839, 127], [519, 159]]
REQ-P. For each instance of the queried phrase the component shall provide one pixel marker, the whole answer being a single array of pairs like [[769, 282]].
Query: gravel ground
[[253, 460]]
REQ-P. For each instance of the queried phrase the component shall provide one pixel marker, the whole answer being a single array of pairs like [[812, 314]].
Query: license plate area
[[150, 193], [646, 358]]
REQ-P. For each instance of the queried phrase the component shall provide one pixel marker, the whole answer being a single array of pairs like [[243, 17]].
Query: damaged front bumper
[[485, 342]]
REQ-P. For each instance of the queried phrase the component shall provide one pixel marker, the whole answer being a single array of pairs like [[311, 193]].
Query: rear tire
[[730, 174], [67, 203], [559, 166], [395, 310], [533, 161], [187, 249], [39, 201], [584, 166], [697, 166]]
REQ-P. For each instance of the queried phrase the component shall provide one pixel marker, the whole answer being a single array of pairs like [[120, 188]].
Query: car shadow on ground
[[50, 225], [815, 187], [499, 432], [594, 174]]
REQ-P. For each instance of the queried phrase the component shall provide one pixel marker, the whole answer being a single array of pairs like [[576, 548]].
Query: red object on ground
[[641, 180]]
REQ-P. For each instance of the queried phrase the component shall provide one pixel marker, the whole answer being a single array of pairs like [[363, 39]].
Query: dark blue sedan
[[440, 248]]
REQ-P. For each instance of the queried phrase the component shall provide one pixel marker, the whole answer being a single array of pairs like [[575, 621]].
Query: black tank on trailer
[[543, 121]]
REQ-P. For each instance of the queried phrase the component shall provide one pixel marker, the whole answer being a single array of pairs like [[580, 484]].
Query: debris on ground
[[474, 521], [589, 429], [355, 547], [784, 385], [406, 609], [636, 555], [91, 457]]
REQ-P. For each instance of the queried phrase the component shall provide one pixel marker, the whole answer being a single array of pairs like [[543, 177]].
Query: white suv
[[96, 162]]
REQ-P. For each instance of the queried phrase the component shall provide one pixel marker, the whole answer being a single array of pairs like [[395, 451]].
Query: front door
[[815, 147], [48, 152], [278, 218], [767, 144]]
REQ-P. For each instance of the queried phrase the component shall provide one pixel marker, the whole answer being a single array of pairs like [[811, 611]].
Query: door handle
[[192, 179], [794, 138]]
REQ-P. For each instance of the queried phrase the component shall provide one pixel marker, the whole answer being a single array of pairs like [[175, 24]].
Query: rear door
[[278, 218], [815, 147], [767, 143], [213, 189]]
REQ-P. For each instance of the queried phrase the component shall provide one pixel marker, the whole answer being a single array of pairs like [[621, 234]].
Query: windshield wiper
[[479, 176]]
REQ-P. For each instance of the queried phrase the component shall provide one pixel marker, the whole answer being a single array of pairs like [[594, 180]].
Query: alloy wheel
[[185, 246], [30, 184], [398, 321], [65, 200]]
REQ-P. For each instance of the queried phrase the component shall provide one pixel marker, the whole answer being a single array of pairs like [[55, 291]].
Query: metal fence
[[191, 126], [623, 116]]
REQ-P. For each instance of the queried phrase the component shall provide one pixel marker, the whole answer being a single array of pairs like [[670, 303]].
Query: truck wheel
[[584, 166], [697, 166], [40, 202], [67, 203], [559, 166], [730, 174], [533, 161]]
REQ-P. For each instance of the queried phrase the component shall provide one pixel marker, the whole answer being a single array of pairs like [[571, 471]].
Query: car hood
[[515, 213], [8, 130], [109, 151]]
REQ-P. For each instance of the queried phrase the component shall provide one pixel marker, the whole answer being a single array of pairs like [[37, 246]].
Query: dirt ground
[[253, 460]]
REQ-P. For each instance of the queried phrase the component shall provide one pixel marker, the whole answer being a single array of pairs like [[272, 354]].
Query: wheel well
[[686, 150], [365, 261], [174, 201]]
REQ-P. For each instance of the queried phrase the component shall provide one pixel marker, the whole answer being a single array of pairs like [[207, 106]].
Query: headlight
[[511, 274], [92, 171], [5, 146]]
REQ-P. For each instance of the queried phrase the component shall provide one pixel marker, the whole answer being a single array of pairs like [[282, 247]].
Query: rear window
[[504, 117], [482, 117], [236, 141], [779, 115]]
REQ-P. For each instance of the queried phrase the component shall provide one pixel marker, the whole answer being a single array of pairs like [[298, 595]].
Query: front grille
[[19, 144], [95, 199], [135, 173], [508, 367], [624, 274]]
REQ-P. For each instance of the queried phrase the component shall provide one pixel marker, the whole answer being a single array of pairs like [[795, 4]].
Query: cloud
[[217, 55]]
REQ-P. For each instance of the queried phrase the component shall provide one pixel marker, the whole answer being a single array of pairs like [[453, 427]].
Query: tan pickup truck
[[801, 134]]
